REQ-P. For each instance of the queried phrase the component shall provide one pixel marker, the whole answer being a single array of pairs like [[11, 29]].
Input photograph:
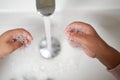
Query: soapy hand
[[12, 40], [83, 35]]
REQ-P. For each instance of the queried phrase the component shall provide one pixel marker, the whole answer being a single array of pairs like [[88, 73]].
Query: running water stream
[[47, 24]]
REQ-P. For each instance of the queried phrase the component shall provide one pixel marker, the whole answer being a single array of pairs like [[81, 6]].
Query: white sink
[[71, 63]]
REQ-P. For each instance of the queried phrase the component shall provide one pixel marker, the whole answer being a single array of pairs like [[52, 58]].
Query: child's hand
[[83, 35], [12, 40]]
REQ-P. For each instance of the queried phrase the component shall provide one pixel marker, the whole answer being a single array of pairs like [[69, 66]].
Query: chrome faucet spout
[[45, 7]]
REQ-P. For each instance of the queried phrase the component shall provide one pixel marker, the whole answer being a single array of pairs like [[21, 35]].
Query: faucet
[[45, 7]]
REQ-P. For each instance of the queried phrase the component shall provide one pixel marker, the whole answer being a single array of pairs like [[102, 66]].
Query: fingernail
[[30, 38]]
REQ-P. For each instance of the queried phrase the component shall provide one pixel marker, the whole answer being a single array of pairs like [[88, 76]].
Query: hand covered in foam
[[12, 40]]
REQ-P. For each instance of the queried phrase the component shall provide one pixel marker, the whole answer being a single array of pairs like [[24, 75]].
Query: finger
[[24, 32], [29, 36], [76, 38], [8, 35], [79, 27]]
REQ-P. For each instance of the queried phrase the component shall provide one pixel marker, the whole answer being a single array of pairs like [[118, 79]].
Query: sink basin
[[71, 63]]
